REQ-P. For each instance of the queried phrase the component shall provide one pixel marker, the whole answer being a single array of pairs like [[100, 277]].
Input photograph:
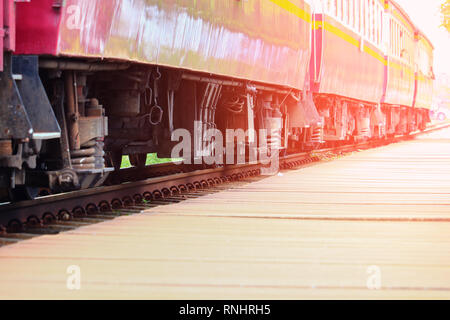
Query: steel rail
[[108, 198]]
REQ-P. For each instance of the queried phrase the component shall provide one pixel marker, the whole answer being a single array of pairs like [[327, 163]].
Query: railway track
[[57, 213]]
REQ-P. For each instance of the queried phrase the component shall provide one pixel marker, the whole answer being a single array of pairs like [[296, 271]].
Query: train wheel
[[22, 193], [114, 159], [138, 160]]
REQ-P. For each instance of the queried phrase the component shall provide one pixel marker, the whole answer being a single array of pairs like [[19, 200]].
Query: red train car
[[92, 80], [424, 77], [400, 57], [118, 77], [347, 68], [348, 58], [7, 28], [363, 69], [400, 77]]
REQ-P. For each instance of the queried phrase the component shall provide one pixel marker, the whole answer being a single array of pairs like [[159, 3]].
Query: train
[[84, 82]]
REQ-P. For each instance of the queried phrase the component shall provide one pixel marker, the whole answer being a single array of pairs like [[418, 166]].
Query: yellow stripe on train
[[292, 8], [302, 14]]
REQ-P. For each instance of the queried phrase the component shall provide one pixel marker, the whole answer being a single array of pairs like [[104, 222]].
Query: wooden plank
[[312, 233]]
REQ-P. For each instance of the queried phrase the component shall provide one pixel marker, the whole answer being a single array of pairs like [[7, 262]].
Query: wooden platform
[[327, 231]]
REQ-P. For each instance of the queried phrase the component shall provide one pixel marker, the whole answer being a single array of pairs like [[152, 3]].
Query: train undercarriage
[[347, 120], [69, 122]]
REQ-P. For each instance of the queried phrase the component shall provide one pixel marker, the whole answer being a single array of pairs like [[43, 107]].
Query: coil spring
[[90, 156], [274, 140], [317, 135], [364, 132], [382, 130]]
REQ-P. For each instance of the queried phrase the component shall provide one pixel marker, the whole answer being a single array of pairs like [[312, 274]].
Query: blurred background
[[432, 17]]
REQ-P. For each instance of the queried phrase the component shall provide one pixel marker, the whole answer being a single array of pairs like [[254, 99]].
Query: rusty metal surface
[[2, 35], [82, 199], [310, 233], [14, 120], [6, 148], [34, 98]]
